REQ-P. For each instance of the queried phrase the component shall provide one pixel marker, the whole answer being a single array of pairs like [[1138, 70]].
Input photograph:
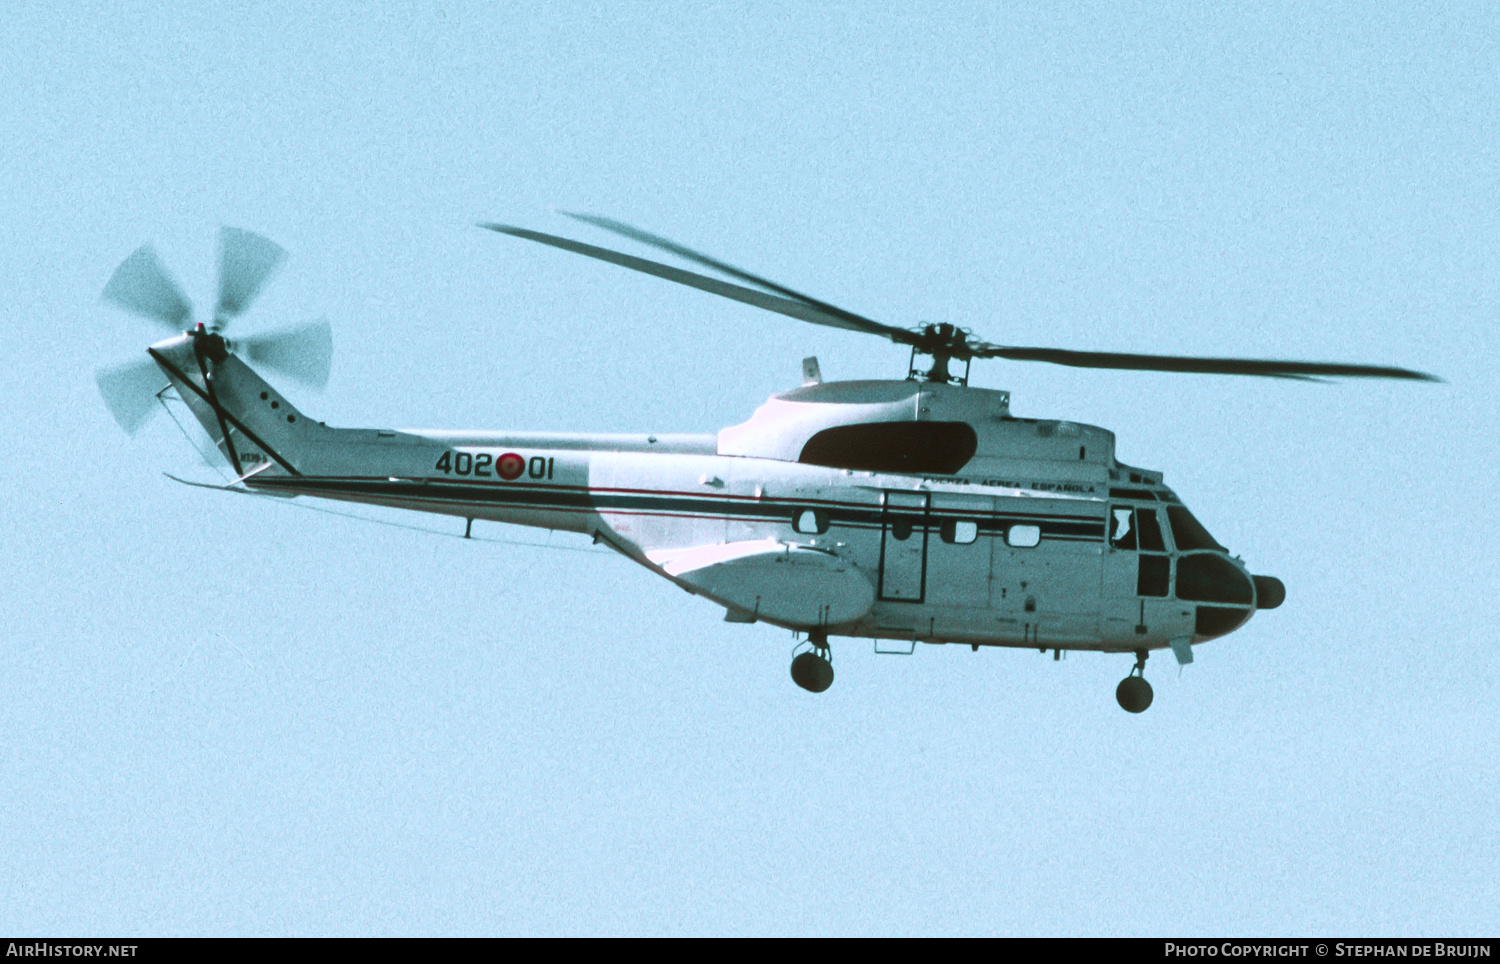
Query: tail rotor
[[142, 286]]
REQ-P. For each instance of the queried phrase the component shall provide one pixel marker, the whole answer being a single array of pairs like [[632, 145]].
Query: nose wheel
[[812, 668], [1134, 693]]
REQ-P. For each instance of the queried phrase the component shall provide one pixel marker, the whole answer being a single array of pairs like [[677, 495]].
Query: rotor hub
[[942, 343], [210, 344]]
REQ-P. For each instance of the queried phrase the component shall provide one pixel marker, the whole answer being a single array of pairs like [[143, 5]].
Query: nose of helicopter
[[1227, 595]]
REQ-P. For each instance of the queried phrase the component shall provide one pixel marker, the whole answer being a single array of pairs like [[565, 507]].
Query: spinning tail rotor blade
[[304, 353], [1265, 368], [246, 260], [130, 391], [142, 286]]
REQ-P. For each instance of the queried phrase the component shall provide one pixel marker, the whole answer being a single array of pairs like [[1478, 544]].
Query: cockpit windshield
[[1188, 532]]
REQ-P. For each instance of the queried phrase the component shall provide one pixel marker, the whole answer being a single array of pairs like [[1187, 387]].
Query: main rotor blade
[[142, 286], [858, 322], [246, 260], [130, 391], [1207, 366], [805, 310], [304, 352]]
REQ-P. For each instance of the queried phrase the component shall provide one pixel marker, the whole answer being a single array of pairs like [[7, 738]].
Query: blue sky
[[228, 716]]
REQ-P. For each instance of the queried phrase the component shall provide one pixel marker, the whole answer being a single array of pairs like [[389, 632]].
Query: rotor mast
[[942, 343]]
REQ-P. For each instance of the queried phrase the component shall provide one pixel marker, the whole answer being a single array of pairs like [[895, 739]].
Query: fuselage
[[895, 510]]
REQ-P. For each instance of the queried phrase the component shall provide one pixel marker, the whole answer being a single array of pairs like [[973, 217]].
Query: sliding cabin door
[[903, 547]]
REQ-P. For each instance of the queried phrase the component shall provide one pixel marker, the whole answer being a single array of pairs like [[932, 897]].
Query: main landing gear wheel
[[1134, 693], [812, 669]]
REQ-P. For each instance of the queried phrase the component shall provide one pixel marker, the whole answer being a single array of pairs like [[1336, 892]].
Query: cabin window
[[1023, 536], [960, 531], [811, 520], [937, 448], [900, 529]]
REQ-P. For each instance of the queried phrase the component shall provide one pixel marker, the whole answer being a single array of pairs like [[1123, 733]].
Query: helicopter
[[918, 510]]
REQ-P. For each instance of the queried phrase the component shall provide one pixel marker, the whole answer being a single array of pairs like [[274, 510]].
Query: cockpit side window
[[1148, 530], [939, 448], [1138, 528], [1135, 529], [1122, 527], [1188, 532], [1154, 576]]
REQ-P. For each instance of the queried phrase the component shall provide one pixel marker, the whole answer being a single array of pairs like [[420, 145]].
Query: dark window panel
[[1216, 621], [1207, 578], [1148, 530], [937, 448], [1155, 574], [1188, 532]]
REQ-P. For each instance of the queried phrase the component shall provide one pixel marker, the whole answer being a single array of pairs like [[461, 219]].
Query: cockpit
[[1226, 595]]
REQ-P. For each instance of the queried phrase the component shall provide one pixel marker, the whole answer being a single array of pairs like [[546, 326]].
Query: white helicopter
[[907, 511]]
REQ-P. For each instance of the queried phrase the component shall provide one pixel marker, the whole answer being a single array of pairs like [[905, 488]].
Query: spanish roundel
[[510, 466]]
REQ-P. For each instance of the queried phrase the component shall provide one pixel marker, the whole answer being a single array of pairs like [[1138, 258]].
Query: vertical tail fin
[[252, 425]]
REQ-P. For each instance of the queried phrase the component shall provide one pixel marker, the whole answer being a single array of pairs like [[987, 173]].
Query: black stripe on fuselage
[[630, 502]]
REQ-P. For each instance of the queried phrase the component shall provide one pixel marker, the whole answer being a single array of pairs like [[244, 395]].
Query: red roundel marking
[[510, 466]]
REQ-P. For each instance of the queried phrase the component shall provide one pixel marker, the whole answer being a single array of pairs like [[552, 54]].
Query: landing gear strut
[[812, 669], [1134, 693]]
